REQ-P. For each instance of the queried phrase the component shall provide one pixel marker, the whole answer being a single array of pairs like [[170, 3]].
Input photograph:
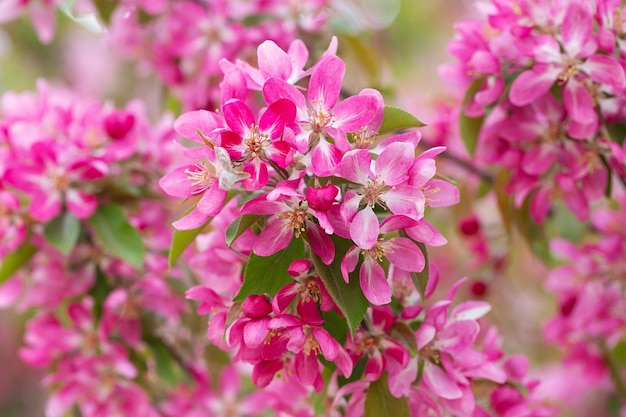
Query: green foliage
[[395, 119], [380, 403], [62, 232], [15, 260], [181, 239], [116, 235], [240, 225], [420, 279], [348, 297], [469, 127], [105, 9], [268, 274]]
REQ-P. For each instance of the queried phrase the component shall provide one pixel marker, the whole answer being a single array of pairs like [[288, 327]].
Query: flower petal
[[364, 229]]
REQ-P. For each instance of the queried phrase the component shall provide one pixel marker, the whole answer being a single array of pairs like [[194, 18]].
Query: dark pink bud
[[256, 306], [118, 123], [321, 198], [479, 288], [469, 226]]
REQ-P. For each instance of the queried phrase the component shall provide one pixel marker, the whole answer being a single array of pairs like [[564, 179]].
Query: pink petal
[[406, 200], [191, 221], [396, 222], [394, 162], [374, 367], [212, 201], [355, 112], [188, 124], [405, 254], [273, 61], [81, 204], [177, 183], [299, 267], [307, 367], [441, 193], [532, 84], [278, 114], [578, 102], [440, 382], [401, 377], [255, 331], [374, 283], [275, 89], [238, 116], [275, 237], [45, 206], [424, 232], [325, 158], [326, 80], [261, 205], [349, 262], [284, 297], [321, 243], [364, 229], [355, 166], [264, 372], [577, 28], [604, 69]]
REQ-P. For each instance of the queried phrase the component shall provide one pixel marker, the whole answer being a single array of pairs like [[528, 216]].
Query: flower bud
[[256, 306], [118, 123], [321, 198]]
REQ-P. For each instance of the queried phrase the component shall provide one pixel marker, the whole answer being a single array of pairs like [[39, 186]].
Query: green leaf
[[15, 260], [62, 232], [99, 292], [168, 370], [533, 233], [240, 225], [181, 239], [395, 118], [380, 403], [469, 127], [420, 279], [105, 9], [268, 274], [617, 132], [401, 332], [116, 235], [348, 297]]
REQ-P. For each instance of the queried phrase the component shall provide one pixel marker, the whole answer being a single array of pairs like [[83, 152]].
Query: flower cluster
[[313, 266], [590, 324], [548, 85], [79, 199], [184, 41]]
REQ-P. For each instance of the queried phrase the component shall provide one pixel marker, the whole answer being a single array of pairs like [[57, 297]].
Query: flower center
[[431, 354], [311, 345], [364, 138], [379, 250], [256, 141], [570, 70], [372, 192], [368, 344], [319, 118], [310, 290], [295, 220], [201, 176]]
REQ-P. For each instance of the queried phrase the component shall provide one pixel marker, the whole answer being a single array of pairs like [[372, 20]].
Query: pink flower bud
[[321, 198], [256, 306], [469, 226], [118, 123], [479, 288]]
